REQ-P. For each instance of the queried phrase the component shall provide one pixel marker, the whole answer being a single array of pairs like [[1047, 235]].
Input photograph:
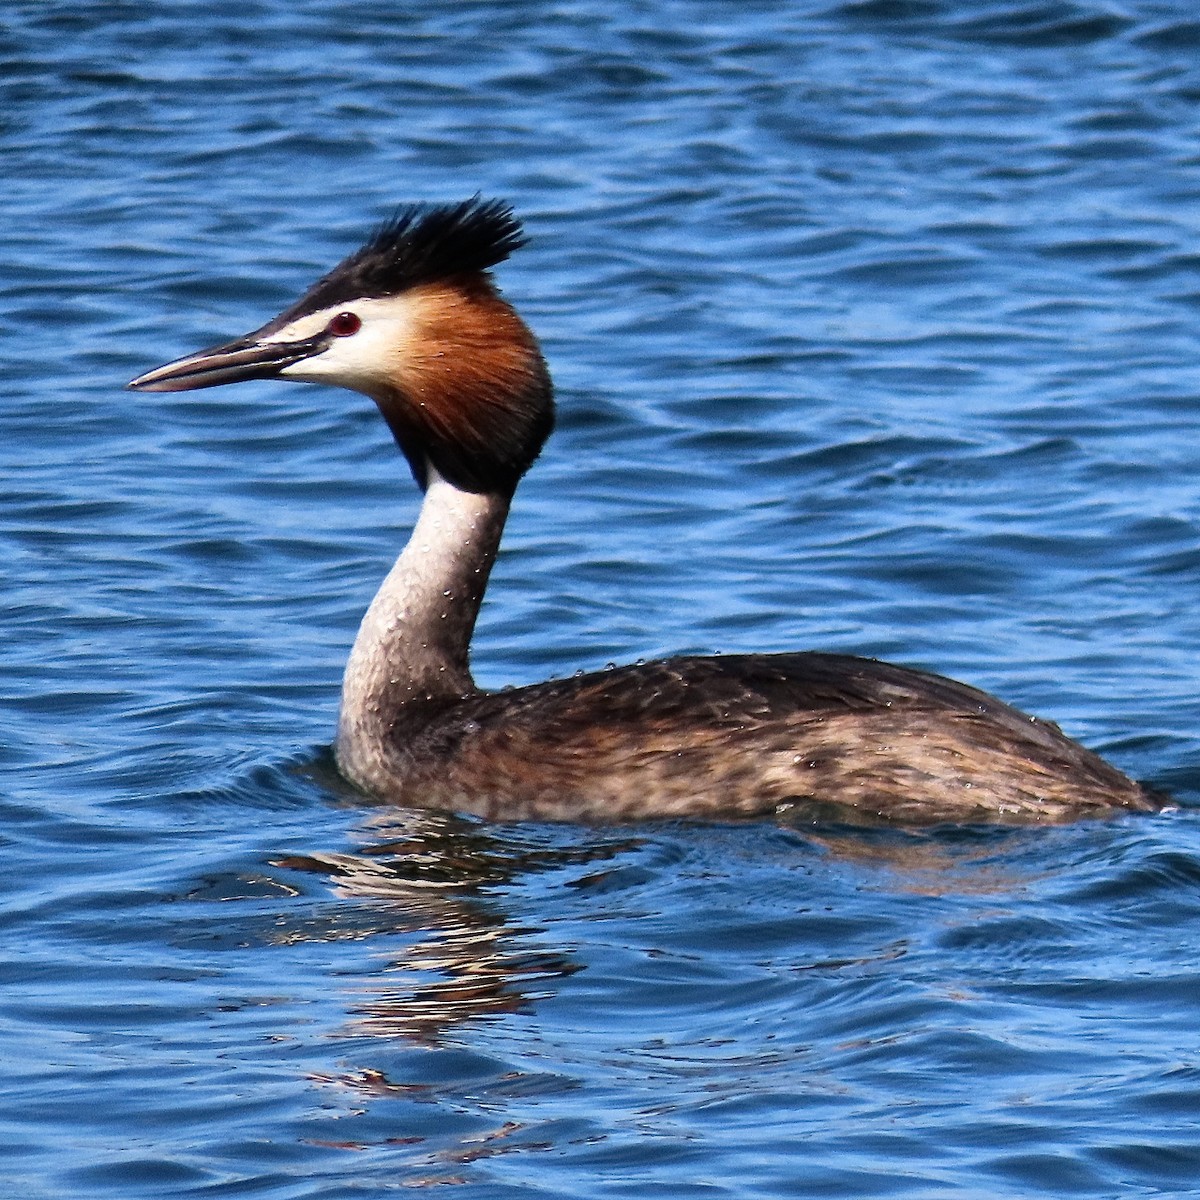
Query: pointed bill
[[244, 358]]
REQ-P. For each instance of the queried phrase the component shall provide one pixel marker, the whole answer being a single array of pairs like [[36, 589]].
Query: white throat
[[413, 644]]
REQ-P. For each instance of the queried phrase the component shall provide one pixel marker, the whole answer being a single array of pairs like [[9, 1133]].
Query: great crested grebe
[[414, 321]]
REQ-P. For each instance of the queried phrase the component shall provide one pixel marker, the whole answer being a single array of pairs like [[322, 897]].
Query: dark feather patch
[[828, 735], [418, 245]]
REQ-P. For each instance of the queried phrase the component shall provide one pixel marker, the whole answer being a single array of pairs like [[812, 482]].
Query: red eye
[[344, 324]]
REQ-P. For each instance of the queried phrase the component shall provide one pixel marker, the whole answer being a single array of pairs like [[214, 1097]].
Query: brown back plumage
[[748, 734]]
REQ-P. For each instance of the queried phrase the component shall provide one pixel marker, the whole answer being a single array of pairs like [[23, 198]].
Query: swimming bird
[[414, 320]]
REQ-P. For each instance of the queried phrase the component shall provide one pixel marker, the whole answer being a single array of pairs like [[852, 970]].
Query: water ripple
[[873, 329]]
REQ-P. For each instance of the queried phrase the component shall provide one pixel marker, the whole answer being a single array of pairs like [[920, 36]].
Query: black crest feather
[[418, 245]]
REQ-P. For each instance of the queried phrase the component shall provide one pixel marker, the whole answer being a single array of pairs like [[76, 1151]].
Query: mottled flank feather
[[744, 735], [418, 245]]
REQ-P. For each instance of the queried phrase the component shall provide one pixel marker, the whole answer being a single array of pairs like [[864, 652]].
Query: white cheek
[[364, 359], [350, 361]]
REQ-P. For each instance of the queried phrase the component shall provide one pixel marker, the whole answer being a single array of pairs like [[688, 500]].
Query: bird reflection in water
[[438, 880], [440, 884]]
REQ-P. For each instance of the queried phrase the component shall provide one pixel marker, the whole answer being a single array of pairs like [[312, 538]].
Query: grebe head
[[413, 320]]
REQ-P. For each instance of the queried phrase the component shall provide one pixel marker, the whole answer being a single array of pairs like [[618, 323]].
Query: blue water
[[875, 329]]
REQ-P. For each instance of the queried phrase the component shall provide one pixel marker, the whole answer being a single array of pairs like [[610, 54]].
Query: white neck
[[413, 644]]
